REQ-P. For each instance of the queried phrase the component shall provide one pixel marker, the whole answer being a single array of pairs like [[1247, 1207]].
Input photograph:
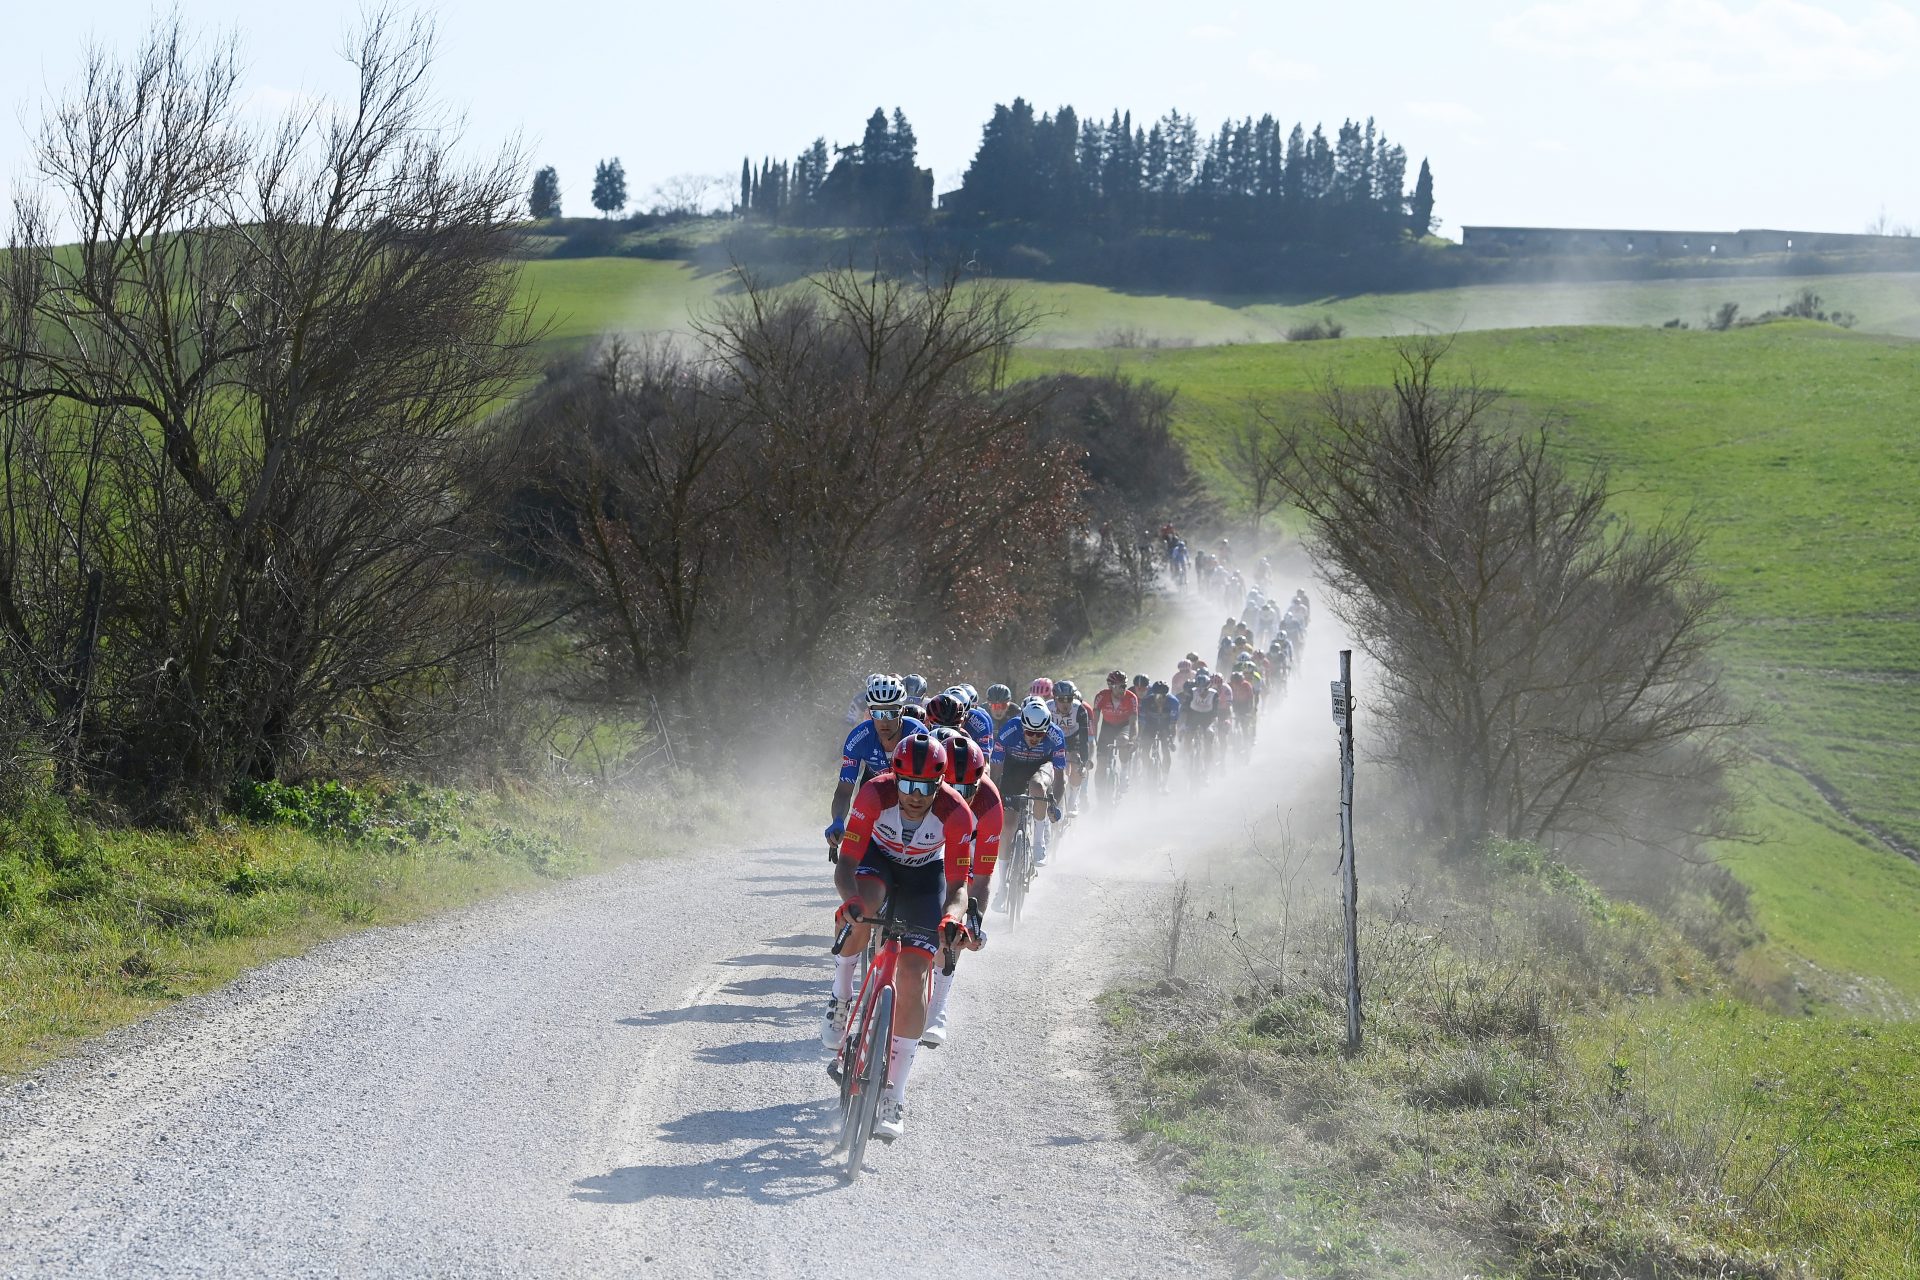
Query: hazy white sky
[[1701, 114]]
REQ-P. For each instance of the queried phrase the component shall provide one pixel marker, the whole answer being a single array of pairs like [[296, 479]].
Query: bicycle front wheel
[[872, 1082]]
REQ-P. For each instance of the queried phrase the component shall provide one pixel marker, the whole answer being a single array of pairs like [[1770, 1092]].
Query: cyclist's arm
[[842, 798], [853, 847], [958, 824], [1059, 772], [987, 830]]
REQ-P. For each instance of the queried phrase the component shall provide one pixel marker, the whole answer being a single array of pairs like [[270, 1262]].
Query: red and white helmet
[[966, 762], [920, 758]]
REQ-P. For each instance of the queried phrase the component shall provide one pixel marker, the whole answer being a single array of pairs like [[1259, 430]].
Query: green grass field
[[589, 296], [1795, 445]]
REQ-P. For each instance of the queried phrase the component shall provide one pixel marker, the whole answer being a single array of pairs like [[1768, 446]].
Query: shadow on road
[[784, 1015], [771, 959], [790, 1162], [802, 1050], [824, 893], [776, 987], [819, 940]]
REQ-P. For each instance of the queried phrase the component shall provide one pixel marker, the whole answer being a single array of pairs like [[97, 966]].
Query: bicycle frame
[[868, 1041]]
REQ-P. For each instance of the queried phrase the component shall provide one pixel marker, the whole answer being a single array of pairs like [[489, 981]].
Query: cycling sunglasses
[[1032, 735], [886, 713], [919, 786], [966, 789]]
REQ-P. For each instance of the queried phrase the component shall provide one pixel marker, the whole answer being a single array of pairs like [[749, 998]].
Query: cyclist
[[1246, 698], [975, 720], [857, 709], [869, 747], [1115, 708], [999, 707], [967, 774], [1198, 710], [1160, 723], [1076, 726], [948, 710], [909, 839], [1177, 561], [1030, 761]]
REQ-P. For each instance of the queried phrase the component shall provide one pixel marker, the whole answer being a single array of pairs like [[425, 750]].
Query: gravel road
[[623, 1076], [580, 1082]]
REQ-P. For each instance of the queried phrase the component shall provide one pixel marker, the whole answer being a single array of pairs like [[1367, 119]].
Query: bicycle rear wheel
[[871, 1084]]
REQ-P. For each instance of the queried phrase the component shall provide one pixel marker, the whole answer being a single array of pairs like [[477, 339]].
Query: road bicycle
[[1116, 769], [1016, 863], [1159, 756], [861, 1065]]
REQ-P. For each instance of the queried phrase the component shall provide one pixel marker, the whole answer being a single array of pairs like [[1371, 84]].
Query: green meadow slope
[[584, 297], [1798, 446]]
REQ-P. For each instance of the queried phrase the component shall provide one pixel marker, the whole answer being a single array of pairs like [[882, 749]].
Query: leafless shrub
[[799, 491], [1547, 669]]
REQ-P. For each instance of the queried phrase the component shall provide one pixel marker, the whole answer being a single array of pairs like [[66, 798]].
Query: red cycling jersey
[[946, 832], [1116, 711], [989, 818]]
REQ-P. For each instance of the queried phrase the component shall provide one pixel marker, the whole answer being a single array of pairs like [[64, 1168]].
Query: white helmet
[[885, 691], [958, 692], [1034, 714]]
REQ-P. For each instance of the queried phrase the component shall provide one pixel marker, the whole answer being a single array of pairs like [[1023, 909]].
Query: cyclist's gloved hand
[[976, 926], [851, 911], [954, 931], [836, 829], [1053, 812]]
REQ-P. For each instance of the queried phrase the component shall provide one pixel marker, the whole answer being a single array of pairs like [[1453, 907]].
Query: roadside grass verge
[[100, 926], [1554, 1085], [1793, 444]]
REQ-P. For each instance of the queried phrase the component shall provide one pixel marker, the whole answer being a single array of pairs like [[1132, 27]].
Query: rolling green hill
[[587, 296], [1797, 445]]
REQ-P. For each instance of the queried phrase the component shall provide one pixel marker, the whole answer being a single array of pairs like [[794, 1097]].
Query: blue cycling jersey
[[1166, 713], [979, 726], [863, 749], [1011, 744]]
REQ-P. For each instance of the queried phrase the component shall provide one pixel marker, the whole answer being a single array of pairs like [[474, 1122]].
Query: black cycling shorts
[[919, 894]]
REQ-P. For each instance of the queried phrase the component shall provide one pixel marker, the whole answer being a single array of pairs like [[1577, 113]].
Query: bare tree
[[248, 397], [1548, 669], [690, 194]]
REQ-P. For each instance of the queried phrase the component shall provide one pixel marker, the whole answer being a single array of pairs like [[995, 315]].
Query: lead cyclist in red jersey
[[909, 839]]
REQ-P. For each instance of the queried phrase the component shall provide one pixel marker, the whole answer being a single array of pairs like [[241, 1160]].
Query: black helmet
[[999, 693], [1159, 689]]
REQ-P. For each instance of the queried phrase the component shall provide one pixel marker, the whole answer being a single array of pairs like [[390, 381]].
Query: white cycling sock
[[937, 1004], [899, 1064], [843, 967]]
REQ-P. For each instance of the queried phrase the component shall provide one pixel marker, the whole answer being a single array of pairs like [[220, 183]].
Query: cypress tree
[[609, 186], [544, 201], [1420, 216]]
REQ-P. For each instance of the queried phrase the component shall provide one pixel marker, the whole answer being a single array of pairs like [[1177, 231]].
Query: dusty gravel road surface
[[588, 1082], [623, 1076]]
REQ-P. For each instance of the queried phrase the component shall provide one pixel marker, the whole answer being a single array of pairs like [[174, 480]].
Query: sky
[[1695, 114]]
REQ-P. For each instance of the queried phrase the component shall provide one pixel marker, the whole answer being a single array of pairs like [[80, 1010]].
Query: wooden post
[[1349, 876]]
